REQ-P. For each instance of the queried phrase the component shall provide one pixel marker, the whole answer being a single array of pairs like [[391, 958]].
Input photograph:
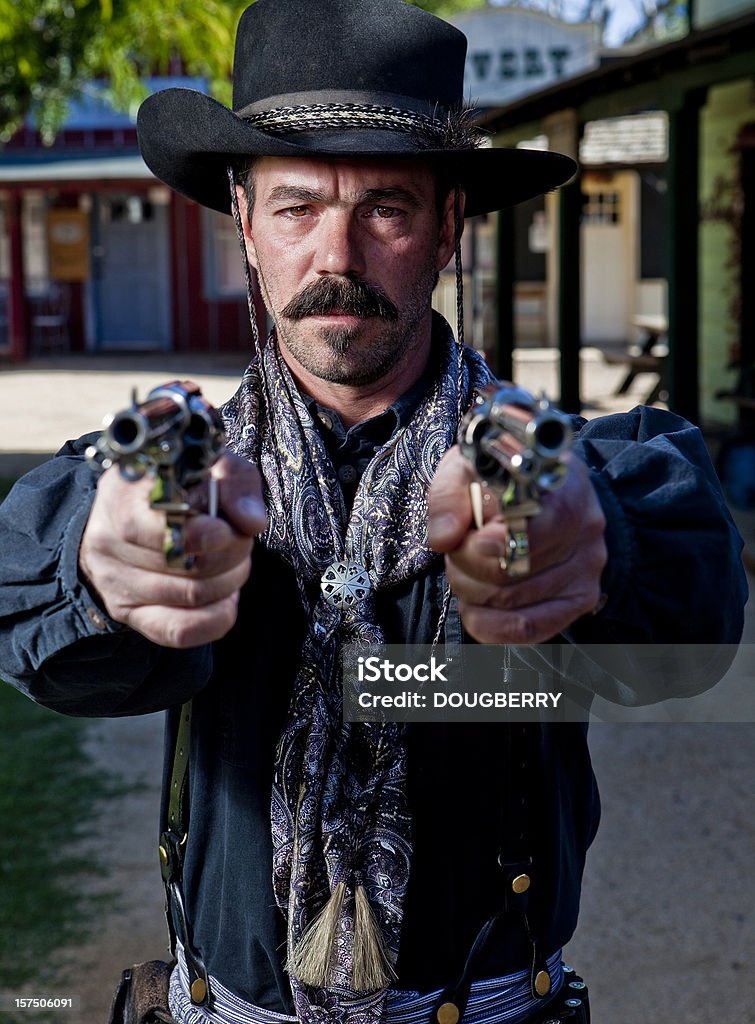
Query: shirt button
[[96, 619], [447, 1013], [347, 474], [542, 983], [327, 421]]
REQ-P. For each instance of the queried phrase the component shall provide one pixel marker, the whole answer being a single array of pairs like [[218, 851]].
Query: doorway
[[609, 220], [131, 276]]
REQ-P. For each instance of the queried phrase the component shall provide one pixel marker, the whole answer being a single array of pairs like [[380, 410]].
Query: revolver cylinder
[[515, 442], [174, 435]]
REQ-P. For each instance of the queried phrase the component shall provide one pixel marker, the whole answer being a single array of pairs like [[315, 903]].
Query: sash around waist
[[492, 1001]]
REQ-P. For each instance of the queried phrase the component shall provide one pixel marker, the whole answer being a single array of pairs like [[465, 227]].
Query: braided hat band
[[456, 131]]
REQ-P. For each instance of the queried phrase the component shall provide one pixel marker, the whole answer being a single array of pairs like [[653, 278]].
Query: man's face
[[347, 254]]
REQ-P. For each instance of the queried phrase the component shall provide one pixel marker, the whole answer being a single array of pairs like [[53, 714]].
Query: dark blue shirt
[[674, 575]]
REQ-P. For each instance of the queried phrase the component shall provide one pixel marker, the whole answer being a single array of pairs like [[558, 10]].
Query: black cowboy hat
[[373, 78]]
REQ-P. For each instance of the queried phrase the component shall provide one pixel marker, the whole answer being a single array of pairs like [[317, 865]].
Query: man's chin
[[357, 355], [348, 366], [339, 339]]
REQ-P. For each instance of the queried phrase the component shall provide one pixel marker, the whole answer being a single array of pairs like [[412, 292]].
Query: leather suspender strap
[[178, 807], [515, 862], [172, 849], [515, 841]]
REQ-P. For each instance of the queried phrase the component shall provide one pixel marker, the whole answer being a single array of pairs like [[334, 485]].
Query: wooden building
[[98, 256], [705, 84]]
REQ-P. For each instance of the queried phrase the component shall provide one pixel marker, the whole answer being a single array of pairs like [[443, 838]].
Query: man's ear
[[246, 226], [447, 240]]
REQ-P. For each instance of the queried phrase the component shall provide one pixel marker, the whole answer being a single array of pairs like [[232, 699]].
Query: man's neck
[[355, 404]]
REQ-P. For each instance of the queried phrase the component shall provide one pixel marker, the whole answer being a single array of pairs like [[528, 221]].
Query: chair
[[49, 320]]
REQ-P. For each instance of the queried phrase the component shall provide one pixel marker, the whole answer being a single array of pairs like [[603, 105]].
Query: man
[[430, 871]]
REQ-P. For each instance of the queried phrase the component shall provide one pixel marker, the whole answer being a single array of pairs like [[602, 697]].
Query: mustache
[[333, 295]]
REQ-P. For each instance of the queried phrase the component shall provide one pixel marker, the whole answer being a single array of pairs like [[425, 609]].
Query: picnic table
[[647, 356]]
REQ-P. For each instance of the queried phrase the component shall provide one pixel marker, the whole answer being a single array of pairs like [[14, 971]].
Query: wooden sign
[[68, 245], [513, 51]]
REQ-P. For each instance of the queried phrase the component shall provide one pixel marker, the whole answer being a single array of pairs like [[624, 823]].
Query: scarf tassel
[[372, 967], [311, 960]]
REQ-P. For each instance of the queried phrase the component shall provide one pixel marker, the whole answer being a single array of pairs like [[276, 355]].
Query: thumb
[[449, 505], [240, 494]]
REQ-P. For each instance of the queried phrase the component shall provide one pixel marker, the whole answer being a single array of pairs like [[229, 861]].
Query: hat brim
[[188, 139]]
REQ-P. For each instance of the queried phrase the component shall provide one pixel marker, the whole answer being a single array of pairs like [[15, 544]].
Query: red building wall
[[201, 323]]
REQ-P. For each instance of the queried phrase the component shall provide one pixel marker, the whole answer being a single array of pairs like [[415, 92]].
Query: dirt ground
[[668, 909], [667, 922], [125, 842]]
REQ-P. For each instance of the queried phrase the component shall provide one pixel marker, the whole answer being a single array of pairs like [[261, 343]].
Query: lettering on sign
[[511, 64], [513, 51]]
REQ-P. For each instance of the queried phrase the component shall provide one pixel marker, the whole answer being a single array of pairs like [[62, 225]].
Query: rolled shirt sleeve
[[674, 572], [674, 584]]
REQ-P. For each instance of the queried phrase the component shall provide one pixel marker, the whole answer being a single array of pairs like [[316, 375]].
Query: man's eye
[[386, 212], [296, 211]]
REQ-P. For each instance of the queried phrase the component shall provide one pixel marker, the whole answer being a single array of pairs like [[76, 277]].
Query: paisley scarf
[[341, 825]]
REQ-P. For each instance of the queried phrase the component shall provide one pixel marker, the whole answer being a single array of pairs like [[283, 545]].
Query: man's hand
[[567, 556], [122, 557]]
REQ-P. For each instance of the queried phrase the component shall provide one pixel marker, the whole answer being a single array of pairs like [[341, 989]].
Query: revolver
[[175, 436], [515, 442]]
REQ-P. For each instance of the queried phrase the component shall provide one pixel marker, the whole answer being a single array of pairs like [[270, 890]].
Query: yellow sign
[[68, 245]]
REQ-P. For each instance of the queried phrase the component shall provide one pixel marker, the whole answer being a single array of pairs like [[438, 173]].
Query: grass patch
[[49, 795]]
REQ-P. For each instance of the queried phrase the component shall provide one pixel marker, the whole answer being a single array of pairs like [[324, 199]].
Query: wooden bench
[[648, 356]]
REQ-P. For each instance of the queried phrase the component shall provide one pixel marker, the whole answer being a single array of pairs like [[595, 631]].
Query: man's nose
[[339, 247]]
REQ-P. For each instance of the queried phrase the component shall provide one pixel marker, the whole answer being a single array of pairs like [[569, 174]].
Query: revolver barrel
[[140, 427], [175, 435], [515, 442], [511, 435]]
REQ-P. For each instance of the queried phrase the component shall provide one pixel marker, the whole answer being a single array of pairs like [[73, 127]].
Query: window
[[129, 210], [223, 266], [34, 221], [601, 208], [529, 218]]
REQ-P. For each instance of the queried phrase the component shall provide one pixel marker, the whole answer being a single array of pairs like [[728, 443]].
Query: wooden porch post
[[683, 235], [504, 345], [569, 294], [18, 327], [564, 130]]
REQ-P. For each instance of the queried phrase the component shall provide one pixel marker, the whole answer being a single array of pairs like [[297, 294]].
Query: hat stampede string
[[256, 336]]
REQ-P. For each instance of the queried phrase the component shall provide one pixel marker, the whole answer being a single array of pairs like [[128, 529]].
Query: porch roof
[[67, 169]]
